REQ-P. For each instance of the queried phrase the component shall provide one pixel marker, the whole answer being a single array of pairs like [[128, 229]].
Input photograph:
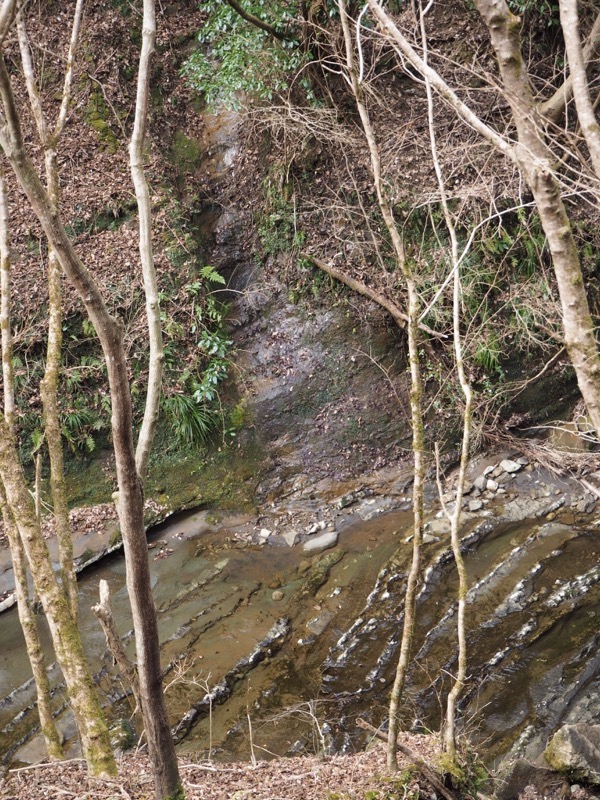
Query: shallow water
[[533, 644]]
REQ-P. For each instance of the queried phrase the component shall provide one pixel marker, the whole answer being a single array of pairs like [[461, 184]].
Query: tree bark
[[130, 506], [49, 384], [30, 634]]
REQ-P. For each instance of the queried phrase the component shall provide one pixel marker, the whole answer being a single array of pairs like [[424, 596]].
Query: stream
[[297, 648]]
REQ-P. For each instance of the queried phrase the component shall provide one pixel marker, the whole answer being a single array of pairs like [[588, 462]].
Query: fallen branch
[[103, 611], [361, 288], [425, 771]]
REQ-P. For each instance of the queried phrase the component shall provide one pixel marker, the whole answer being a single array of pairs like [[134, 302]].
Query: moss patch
[[96, 116], [224, 478], [186, 153]]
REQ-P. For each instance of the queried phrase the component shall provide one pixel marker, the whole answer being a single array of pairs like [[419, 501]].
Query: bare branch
[[361, 288], [258, 23]]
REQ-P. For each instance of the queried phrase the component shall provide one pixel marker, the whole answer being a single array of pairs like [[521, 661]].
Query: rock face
[[514, 777], [575, 751]]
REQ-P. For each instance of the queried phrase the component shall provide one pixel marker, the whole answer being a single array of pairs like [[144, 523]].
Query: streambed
[[533, 642]]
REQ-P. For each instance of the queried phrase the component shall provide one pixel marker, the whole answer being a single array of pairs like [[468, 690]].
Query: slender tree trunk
[[569, 21], [553, 108], [454, 516], [130, 505], [418, 444], [8, 380], [95, 741], [136, 160], [24, 606]]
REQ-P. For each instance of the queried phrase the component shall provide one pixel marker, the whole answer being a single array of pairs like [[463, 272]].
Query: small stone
[[551, 516], [317, 526], [480, 482], [511, 466], [475, 505], [277, 595], [290, 537], [275, 583], [264, 533], [488, 470], [491, 486], [345, 500], [303, 567], [429, 539]]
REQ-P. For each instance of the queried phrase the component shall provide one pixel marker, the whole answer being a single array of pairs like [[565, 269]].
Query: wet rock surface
[[574, 750]]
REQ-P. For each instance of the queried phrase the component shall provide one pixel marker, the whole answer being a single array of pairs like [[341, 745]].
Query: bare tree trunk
[[8, 380], [24, 607], [415, 398], [130, 506], [553, 108], [454, 516], [136, 160], [95, 741], [569, 21], [535, 159]]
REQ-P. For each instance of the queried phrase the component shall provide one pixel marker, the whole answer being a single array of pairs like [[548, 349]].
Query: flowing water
[[299, 669]]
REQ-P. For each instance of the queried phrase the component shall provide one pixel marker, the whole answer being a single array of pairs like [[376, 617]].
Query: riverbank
[[341, 777]]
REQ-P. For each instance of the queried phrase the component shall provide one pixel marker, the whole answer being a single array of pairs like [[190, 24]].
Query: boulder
[[513, 777], [574, 750], [511, 466], [480, 482], [320, 543]]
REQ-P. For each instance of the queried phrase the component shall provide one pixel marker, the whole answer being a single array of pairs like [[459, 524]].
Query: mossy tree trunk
[[49, 385], [92, 728], [24, 605]]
